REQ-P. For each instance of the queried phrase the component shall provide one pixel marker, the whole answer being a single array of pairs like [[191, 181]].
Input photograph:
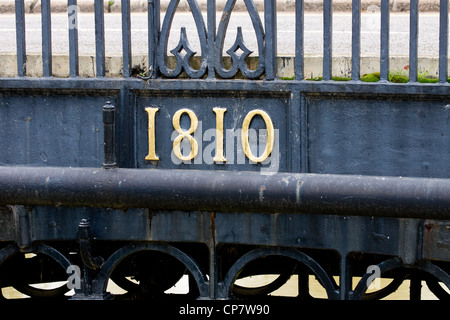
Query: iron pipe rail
[[226, 191]]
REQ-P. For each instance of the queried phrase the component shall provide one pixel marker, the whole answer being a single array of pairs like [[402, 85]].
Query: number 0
[[270, 135]]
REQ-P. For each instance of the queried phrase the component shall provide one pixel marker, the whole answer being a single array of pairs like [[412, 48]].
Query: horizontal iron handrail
[[226, 191]]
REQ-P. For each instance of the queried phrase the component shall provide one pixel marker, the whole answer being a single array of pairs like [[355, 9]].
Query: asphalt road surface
[[370, 35]]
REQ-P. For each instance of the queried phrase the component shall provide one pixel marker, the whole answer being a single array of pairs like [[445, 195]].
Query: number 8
[[185, 134]]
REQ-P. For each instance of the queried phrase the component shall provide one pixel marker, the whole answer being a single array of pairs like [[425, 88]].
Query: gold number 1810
[[219, 156]]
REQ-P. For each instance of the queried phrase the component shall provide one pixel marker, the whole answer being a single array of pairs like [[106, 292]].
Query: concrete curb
[[7, 6], [286, 65]]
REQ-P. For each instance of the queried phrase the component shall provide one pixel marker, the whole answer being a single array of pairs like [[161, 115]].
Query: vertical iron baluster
[[443, 41], [73, 37], [270, 20], [384, 50], [126, 38], [327, 38], [356, 39], [20, 38], [153, 32], [413, 36], [211, 25], [299, 39], [99, 38], [46, 38], [151, 35]]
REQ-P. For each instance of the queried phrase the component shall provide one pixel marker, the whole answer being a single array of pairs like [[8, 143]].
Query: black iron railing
[[212, 37]]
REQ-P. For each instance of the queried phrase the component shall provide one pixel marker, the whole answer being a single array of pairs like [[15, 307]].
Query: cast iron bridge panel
[[201, 163]]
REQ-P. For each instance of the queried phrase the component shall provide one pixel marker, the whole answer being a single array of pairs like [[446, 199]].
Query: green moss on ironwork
[[287, 78], [332, 78], [375, 77]]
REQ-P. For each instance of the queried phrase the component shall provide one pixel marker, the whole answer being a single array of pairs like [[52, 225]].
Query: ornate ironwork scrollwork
[[183, 52], [111, 263], [239, 61], [50, 252], [226, 286], [183, 62], [438, 275]]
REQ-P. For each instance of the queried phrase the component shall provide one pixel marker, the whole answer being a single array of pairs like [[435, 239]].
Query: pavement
[[7, 6]]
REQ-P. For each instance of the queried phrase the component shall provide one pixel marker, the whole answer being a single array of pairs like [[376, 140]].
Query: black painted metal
[[73, 38], [227, 191], [84, 239], [46, 38], [99, 39], [20, 38], [327, 38], [443, 41], [413, 40], [356, 39], [358, 178], [109, 135], [126, 38], [384, 41], [299, 39]]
